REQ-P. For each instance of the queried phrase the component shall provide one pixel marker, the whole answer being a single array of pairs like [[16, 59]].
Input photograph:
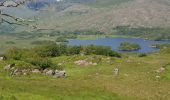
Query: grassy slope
[[106, 14], [136, 80]]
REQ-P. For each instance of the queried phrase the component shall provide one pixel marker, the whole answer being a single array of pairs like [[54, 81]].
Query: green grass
[[136, 81]]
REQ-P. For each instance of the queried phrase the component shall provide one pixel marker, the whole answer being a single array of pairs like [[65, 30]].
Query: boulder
[[50, 72], [59, 74], [25, 71], [94, 64], [160, 70], [10, 4], [2, 58], [158, 77], [45, 70], [8, 67], [84, 63], [16, 72], [36, 71], [116, 72]]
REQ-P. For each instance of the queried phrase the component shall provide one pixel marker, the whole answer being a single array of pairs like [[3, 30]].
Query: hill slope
[[103, 15]]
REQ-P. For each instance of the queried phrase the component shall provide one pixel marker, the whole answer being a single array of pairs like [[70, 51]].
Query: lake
[[114, 43]]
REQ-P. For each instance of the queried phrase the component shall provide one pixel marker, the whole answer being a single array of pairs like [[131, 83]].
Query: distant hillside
[[101, 14]]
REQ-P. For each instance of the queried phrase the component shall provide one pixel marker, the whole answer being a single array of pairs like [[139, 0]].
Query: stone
[[44, 71], [116, 71], [36, 71], [158, 76], [59, 64], [83, 63], [160, 70], [8, 67], [50, 73], [16, 72], [2, 58], [94, 64], [10, 3], [59, 74]]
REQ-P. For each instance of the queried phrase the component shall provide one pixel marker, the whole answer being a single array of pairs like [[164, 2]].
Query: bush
[[14, 53], [41, 62], [126, 46], [142, 55], [73, 50], [48, 50]]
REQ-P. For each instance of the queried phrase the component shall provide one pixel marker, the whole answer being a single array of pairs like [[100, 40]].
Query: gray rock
[[10, 3], [50, 73], [160, 70], [36, 71], [2, 58], [59, 74], [116, 71], [45, 70], [8, 67], [16, 72]]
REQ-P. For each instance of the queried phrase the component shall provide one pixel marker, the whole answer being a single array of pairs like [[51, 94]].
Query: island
[[126, 46]]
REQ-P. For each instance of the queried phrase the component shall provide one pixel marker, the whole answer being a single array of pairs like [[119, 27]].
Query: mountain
[[97, 14]]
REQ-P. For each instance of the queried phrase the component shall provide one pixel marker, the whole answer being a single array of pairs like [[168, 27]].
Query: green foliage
[[10, 42], [73, 50], [100, 50], [148, 33], [166, 75], [142, 55], [126, 46], [41, 62], [61, 39], [40, 55], [42, 42], [48, 50], [14, 53]]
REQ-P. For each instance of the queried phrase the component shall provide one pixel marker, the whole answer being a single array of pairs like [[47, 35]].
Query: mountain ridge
[[77, 15]]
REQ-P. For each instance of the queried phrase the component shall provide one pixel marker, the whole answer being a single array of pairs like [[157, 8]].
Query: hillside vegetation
[[138, 77]]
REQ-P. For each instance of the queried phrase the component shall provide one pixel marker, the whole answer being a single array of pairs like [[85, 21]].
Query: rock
[[2, 58], [158, 76], [84, 63], [95, 64], [50, 73], [59, 64], [116, 71], [25, 71], [10, 3], [36, 71], [45, 70], [160, 70], [8, 67], [16, 72], [59, 74]]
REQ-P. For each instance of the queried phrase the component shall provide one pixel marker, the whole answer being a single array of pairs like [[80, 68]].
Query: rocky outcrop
[[9, 67], [19, 71], [84, 63]]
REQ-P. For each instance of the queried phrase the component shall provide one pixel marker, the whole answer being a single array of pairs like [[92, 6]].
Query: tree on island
[[126, 46]]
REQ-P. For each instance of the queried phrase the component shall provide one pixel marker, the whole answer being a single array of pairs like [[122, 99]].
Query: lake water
[[114, 43]]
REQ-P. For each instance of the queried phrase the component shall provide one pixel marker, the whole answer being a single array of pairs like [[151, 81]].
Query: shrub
[[142, 55], [126, 46], [41, 62], [14, 53]]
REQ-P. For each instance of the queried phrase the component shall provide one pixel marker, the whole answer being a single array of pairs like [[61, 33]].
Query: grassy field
[[136, 81]]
